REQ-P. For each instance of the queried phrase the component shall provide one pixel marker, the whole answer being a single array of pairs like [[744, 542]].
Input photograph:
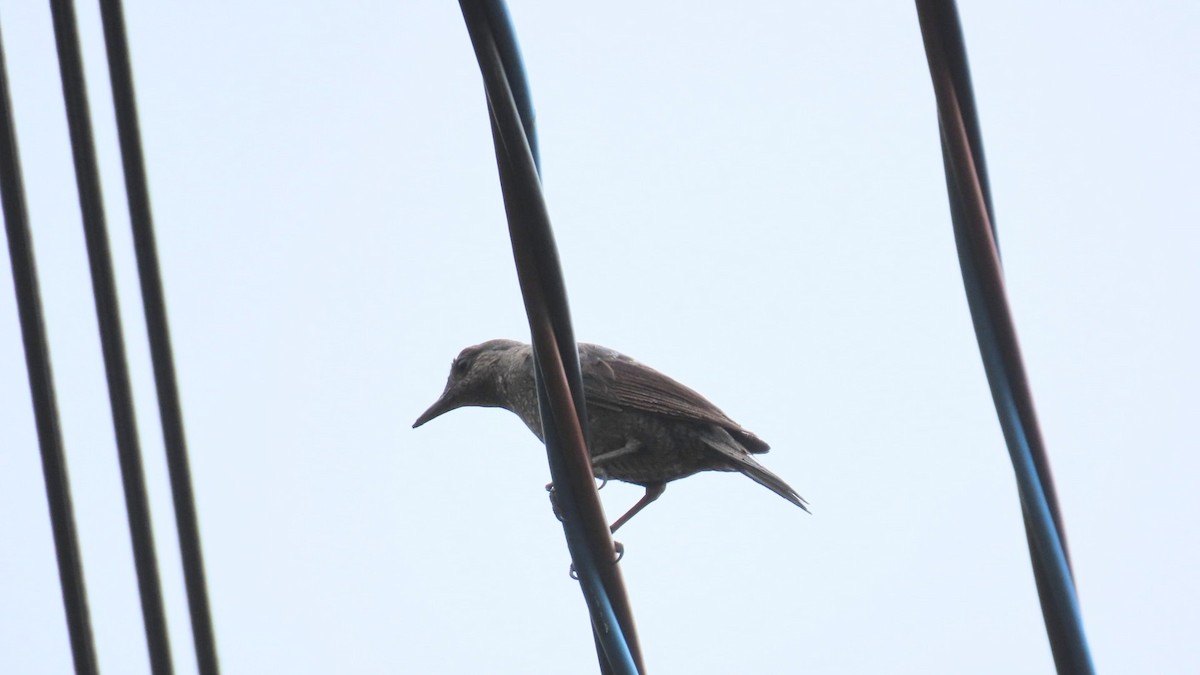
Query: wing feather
[[615, 381]]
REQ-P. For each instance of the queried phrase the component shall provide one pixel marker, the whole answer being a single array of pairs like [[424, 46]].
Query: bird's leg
[[653, 491], [631, 446]]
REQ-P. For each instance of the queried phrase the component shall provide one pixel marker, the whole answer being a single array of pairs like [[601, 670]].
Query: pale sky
[[748, 198]]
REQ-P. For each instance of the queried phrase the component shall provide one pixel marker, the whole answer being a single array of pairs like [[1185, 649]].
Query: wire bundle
[[112, 342], [559, 382], [978, 254]]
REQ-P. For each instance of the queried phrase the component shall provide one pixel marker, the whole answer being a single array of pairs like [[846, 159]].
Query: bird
[[644, 427]]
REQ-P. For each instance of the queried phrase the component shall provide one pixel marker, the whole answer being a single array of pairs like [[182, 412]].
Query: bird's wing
[[615, 381]]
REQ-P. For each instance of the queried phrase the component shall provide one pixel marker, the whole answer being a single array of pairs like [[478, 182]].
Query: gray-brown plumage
[[646, 428]]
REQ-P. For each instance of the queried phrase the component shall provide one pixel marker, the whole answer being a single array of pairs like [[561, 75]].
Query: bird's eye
[[459, 367]]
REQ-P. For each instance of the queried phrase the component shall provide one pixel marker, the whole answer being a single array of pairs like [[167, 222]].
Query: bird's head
[[475, 378]]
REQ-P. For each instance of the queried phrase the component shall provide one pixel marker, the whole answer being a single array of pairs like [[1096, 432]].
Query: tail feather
[[740, 460], [761, 475]]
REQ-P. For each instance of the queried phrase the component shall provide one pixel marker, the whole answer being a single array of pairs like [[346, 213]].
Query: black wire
[[945, 14], [1057, 631], [974, 230], [960, 71], [505, 40], [112, 344], [41, 389], [154, 303], [559, 382]]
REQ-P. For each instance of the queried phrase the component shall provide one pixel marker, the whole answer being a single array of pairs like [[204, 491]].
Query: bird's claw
[[618, 551], [554, 502], [554, 498]]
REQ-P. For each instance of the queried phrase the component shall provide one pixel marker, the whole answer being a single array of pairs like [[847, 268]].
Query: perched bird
[[645, 428]]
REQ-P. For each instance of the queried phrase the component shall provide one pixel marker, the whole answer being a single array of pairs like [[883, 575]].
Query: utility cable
[[155, 306], [974, 231], [87, 178], [558, 377], [41, 389]]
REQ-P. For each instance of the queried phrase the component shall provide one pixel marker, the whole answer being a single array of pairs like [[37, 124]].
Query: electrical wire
[[87, 178], [41, 389], [558, 377], [974, 230], [155, 307]]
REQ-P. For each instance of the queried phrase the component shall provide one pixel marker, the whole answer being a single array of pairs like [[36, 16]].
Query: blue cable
[[505, 37], [1048, 541], [978, 253], [975, 239], [504, 99]]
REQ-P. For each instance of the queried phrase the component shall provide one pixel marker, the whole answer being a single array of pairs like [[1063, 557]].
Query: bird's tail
[[741, 461]]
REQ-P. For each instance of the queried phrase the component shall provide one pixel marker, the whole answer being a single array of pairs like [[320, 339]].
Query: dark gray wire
[[87, 177], [41, 389], [155, 306]]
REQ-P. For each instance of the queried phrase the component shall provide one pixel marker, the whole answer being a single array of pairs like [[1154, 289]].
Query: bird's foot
[[554, 497], [618, 553], [554, 502]]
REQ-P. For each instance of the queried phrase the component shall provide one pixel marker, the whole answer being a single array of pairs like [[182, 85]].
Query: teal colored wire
[[1049, 548], [978, 252], [510, 105], [505, 36]]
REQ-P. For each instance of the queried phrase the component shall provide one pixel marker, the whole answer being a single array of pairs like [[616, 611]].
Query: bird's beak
[[442, 405]]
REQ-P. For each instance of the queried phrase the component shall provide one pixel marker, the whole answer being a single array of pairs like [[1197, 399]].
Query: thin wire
[[559, 380], [112, 343], [154, 304], [983, 278], [41, 389]]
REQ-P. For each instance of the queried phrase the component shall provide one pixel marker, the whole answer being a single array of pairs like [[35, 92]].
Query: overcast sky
[[748, 197]]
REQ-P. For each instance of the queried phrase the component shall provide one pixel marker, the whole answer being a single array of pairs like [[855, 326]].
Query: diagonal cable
[[155, 306], [120, 393], [559, 381], [41, 389], [983, 278]]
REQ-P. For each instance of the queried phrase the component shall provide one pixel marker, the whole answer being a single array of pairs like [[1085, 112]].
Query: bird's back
[[619, 383]]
